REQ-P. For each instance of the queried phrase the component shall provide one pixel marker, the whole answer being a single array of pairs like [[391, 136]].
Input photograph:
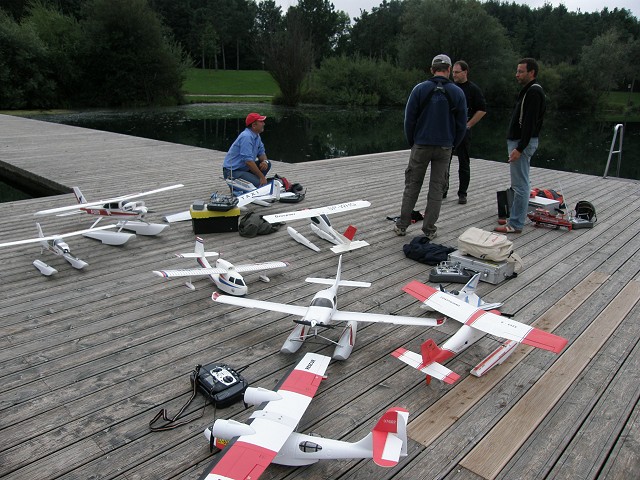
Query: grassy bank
[[235, 86]]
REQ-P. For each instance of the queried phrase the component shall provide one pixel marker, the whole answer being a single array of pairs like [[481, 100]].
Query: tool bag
[[488, 246]]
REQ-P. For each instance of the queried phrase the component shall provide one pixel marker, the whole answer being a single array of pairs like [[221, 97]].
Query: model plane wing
[[54, 237], [255, 267], [434, 369], [314, 212], [261, 304], [485, 321], [189, 272], [247, 456], [103, 202], [345, 316]]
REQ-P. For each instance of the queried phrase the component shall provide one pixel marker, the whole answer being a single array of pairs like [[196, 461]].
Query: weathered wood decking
[[87, 358]]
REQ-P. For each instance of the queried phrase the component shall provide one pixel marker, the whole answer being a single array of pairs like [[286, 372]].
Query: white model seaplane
[[269, 435], [476, 323], [56, 245], [129, 212], [321, 226], [225, 275], [323, 314], [468, 295]]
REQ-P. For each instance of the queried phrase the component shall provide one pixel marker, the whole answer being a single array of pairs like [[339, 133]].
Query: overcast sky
[[353, 7]]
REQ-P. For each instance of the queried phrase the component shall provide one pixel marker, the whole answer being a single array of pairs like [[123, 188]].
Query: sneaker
[[431, 235], [401, 232], [462, 199], [502, 221]]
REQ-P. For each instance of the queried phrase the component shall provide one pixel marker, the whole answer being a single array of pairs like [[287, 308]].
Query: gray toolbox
[[490, 271]]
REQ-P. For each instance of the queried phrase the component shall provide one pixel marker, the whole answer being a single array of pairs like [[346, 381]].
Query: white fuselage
[[231, 282], [322, 308]]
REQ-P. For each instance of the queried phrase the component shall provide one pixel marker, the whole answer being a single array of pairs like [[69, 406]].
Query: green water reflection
[[570, 142]]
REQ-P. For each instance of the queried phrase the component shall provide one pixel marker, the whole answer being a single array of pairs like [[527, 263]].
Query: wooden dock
[[87, 358]]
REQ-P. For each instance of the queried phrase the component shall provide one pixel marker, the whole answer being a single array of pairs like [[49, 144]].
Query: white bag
[[488, 246]]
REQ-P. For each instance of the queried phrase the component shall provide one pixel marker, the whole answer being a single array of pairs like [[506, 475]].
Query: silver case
[[491, 272]]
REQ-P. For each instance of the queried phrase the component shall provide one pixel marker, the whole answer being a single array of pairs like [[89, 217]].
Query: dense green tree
[[25, 69], [323, 26], [375, 34], [289, 59], [463, 30], [63, 39], [129, 57]]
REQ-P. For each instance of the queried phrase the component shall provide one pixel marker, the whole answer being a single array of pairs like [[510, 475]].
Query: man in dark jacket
[[476, 109], [435, 121], [522, 142]]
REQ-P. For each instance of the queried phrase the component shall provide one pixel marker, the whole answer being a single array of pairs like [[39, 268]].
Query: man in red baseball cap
[[246, 157]]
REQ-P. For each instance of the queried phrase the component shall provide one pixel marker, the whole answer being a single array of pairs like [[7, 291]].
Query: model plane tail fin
[[79, 195], [350, 232], [471, 285], [430, 351], [390, 437], [337, 282]]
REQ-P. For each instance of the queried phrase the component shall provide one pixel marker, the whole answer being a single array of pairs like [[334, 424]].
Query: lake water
[[569, 141]]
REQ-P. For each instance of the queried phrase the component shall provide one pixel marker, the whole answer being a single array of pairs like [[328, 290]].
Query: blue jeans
[[520, 182], [246, 174]]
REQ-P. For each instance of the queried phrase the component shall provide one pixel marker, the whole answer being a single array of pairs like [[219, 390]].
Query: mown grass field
[[229, 86]]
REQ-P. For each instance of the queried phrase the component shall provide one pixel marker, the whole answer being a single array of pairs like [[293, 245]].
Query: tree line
[[56, 53]]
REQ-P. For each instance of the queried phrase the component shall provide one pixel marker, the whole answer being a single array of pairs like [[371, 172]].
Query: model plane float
[[269, 437], [56, 245], [323, 314], [126, 209], [476, 322], [321, 226], [225, 275]]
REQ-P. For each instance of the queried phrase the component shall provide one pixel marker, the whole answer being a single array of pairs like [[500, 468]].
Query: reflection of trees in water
[[569, 141]]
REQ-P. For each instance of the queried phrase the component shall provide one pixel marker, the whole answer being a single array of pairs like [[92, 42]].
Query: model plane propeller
[[322, 227], [476, 322], [225, 275], [129, 211], [56, 245], [323, 313], [269, 435]]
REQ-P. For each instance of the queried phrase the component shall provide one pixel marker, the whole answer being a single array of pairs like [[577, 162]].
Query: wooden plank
[[496, 448]]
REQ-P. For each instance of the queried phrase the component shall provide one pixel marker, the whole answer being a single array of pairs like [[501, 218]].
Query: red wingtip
[[214, 296]]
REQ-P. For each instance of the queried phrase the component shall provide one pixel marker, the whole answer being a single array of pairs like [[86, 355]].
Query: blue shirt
[[435, 124], [247, 148]]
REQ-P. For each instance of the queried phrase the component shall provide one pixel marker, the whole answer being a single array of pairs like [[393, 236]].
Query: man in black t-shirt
[[476, 109]]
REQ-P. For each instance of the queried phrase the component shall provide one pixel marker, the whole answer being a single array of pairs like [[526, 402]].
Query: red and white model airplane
[[56, 245], [323, 313], [225, 275], [476, 323], [321, 226], [126, 209], [269, 437]]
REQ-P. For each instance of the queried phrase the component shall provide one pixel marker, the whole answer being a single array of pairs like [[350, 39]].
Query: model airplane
[[225, 275], [476, 322], [126, 209], [468, 295], [321, 226], [54, 244], [264, 196], [323, 314], [270, 437]]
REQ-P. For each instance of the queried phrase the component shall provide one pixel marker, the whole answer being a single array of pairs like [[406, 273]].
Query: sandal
[[506, 229]]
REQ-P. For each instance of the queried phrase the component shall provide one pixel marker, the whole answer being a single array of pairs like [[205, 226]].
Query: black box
[[208, 221]]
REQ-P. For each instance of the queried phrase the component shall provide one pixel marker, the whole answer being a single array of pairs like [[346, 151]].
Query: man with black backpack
[[435, 122]]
